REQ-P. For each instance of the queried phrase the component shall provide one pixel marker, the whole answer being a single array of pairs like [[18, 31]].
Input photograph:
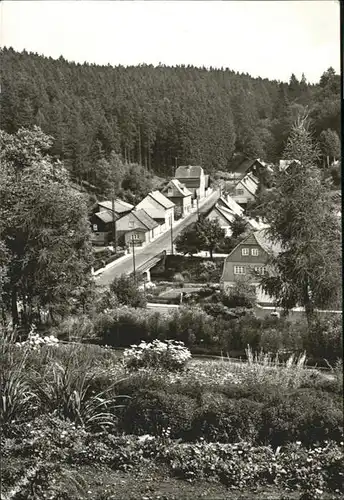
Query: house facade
[[159, 208], [193, 178], [136, 228], [245, 190], [102, 219], [180, 195], [250, 256], [224, 212]]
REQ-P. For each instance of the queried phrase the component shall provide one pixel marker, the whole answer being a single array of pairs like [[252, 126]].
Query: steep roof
[[184, 172], [161, 199], [250, 183], [231, 205], [120, 205], [244, 166], [145, 218], [179, 186], [105, 216], [154, 213]]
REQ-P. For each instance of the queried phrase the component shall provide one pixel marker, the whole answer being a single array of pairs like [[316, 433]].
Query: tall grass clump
[[66, 388], [265, 369], [17, 398]]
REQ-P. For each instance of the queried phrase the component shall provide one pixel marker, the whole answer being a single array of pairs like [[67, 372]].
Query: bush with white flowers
[[169, 355], [34, 341]]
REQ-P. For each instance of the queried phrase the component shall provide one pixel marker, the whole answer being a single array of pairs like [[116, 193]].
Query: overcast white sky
[[270, 39]]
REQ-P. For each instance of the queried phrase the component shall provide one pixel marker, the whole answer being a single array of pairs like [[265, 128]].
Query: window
[[135, 236], [95, 228], [239, 192], [239, 270], [131, 223], [260, 269], [255, 252], [170, 192], [245, 251]]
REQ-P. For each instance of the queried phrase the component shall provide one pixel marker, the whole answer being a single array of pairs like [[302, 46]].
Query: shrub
[[208, 271], [242, 294], [307, 416], [325, 339], [127, 293], [178, 278], [169, 355], [229, 421], [152, 412]]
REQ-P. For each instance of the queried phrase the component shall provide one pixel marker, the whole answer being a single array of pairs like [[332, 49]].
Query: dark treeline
[[155, 116]]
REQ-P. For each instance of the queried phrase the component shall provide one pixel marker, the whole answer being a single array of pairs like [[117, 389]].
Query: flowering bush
[[169, 355], [35, 341]]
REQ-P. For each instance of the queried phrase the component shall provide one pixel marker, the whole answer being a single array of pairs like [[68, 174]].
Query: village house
[[245, 190], [180, 195], [136, 228], [247, 258], [242, 166], [224, 212], [194, 179], [159, 208], [102, 219]]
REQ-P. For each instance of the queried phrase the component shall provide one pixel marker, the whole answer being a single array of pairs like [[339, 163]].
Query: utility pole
[[171, 235], [134, 265], [114, 228], [197, 200]]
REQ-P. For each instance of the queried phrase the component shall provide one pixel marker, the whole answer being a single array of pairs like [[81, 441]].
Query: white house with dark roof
[[225, 211], [180, 195], [245, 190], [159, 208], [137, 227], [250, 256], [193, 178]]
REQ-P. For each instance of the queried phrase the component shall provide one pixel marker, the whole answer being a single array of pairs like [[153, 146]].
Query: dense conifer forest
[[161, 116]]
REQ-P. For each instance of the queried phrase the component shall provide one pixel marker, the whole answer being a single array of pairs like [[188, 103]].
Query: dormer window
[[245, 251], [255, 252]]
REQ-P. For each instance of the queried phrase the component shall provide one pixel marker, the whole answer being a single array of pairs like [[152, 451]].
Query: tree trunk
[[211, 250], [15, 317]]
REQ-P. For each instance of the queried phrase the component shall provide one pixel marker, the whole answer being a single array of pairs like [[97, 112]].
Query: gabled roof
[[161, 199], [260, 238], [154, 213], [180, 188], [244, 166], [145, 218], [231, 205], [105, 216], [120, 206], [250, 183], [226, 214], [184, 172]]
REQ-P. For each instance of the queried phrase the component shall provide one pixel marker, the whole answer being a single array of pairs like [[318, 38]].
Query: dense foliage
[[45, 234], [302, 220], [153, 115]]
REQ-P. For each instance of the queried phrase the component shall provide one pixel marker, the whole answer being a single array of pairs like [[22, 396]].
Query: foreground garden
[[82, 421]]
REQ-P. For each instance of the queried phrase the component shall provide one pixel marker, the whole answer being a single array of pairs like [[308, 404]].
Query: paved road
[[162, 243]]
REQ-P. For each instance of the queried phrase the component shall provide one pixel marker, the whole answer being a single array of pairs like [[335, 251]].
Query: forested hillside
[[156, 116]]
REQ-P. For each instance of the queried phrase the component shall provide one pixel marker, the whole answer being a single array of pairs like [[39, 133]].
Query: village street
[[142, 255]]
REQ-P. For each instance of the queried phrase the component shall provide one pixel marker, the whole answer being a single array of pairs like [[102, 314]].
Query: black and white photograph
[[171, 250]]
